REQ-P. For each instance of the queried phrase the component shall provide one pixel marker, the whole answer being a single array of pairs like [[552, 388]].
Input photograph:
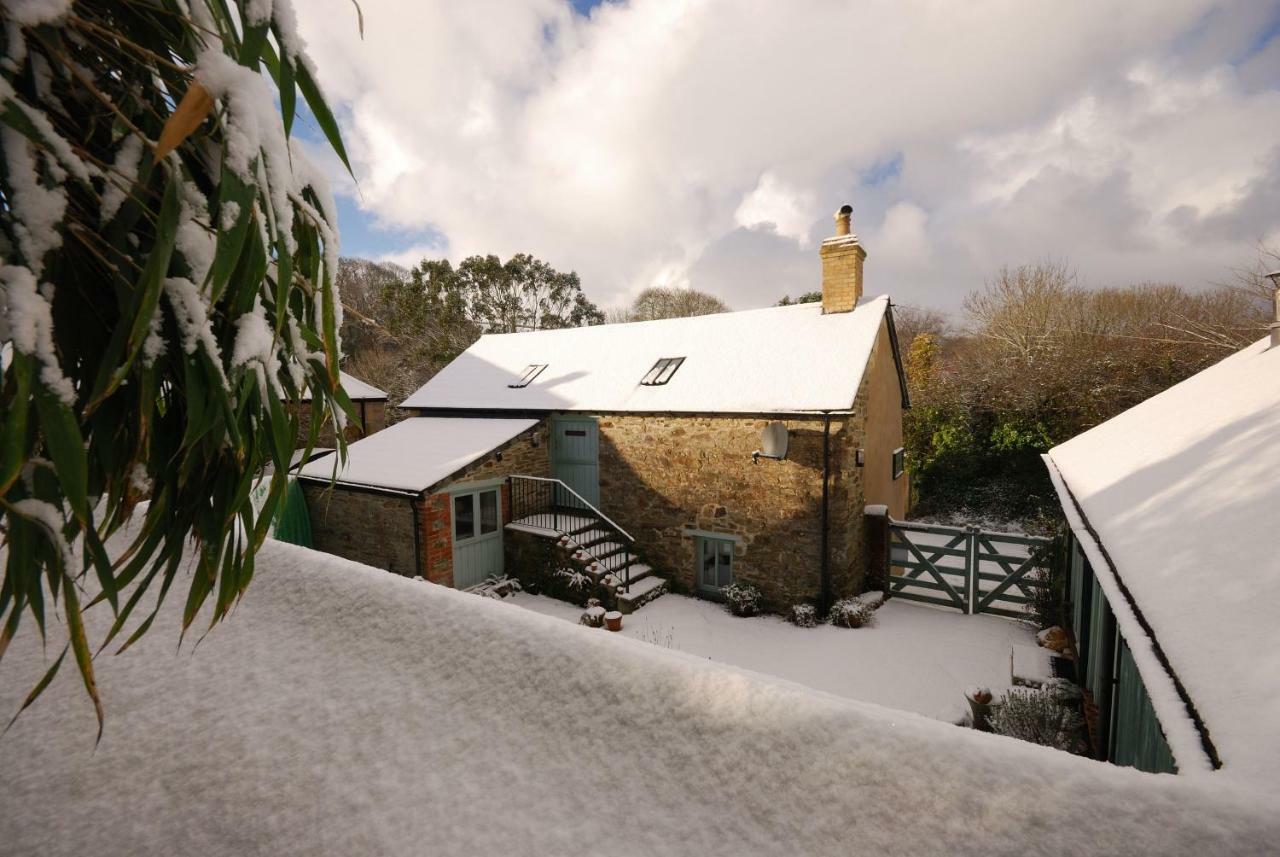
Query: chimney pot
[[842, 258], [842, 219]]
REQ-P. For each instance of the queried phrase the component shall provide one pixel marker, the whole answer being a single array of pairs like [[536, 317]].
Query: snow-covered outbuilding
[[342, 710], [1174, 507], [690, 452], [370, 405]]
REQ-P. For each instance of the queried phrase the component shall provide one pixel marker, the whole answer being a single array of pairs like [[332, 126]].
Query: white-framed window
[[899, 462], [475, 514]]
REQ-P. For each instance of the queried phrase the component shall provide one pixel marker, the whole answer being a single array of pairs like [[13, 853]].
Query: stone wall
[[663, 475], [374, 419], [375, 529], [527, 454]]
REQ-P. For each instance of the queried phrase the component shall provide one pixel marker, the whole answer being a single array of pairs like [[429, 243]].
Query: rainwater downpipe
[[825, 577], [417, 537]]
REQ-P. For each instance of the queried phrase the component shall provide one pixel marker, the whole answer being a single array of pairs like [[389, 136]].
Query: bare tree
[[658, 302]]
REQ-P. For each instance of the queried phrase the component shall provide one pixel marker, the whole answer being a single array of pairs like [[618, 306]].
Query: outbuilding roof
[[791, 359], [417, 453], [1177, 501], [356, 389]]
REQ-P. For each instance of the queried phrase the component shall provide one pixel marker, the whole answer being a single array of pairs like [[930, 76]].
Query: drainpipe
[[825, 598], [417, 536], [1274, 327]]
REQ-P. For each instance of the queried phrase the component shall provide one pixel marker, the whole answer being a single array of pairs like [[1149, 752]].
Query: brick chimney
[[842, 258]]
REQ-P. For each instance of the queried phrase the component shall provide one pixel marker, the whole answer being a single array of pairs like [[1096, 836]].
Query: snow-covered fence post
[[877, 533], [972, 564]]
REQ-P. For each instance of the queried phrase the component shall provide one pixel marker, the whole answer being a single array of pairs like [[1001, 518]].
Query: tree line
[[1036, 360]]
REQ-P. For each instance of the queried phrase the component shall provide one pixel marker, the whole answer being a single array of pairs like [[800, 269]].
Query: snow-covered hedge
[[742, 599], [167, 287], [851, 613], [803, 615], [1037, 716]]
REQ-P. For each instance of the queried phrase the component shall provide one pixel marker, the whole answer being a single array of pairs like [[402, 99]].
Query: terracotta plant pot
[[980, 704], [613, 620]]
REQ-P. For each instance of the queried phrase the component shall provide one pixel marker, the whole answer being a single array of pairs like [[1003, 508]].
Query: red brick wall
[[437, 539]]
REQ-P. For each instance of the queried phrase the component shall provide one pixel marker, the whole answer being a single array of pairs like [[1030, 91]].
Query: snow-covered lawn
[[915, 658]]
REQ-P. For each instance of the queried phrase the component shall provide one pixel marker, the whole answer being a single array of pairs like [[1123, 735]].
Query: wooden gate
[[970, 569]]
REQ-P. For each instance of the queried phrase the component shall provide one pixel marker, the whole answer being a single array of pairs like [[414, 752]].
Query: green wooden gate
[[970, 569]]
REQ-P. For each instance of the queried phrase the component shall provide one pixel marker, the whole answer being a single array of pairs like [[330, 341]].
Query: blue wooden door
[[575, 456], [477, 537]]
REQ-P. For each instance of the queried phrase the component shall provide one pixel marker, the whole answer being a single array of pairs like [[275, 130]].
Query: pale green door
[[575, 457], [477, 537]]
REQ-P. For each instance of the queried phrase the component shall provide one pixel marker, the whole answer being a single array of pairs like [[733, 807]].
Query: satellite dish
[[773, 440]]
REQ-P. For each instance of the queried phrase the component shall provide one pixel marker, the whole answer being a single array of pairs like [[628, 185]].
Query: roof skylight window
[[533, 370], [661, 372]]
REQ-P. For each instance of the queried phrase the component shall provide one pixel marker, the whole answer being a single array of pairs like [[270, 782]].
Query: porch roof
[[417, 453], [791, 359], [1177, 502]]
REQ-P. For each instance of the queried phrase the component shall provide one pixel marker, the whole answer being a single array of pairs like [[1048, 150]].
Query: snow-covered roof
[[1183, 494], [356, 389], [789, 359], [344, 710], [416, 453]]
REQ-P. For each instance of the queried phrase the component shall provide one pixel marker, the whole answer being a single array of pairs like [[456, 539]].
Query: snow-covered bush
[[167, 284], [851, 613], [593, 616], [1036, 715], [742, 599], [803, 615]]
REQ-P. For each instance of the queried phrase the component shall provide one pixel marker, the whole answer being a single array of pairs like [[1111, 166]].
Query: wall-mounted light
[[860, 457]]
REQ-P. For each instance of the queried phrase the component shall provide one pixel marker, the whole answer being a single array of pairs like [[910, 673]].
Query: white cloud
[[773, 205], [653, 141]]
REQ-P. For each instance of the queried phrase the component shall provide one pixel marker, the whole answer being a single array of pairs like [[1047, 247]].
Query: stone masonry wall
[[661, 475], [375, 529], [375, 418]]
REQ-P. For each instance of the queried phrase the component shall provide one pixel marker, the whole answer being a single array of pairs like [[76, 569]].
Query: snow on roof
[[1183, 492], [344, 710], [356, 389], [417, 453], [778, 360]]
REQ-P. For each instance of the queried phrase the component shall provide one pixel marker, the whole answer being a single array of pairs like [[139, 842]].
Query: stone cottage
[[686, 453]]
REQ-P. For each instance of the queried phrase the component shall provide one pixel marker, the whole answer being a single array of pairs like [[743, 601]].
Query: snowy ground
[[915, 658]]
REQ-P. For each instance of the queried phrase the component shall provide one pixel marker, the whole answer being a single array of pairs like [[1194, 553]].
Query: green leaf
[[128, 340], [39, 689], [321, 111], [231, 191], [65, 444], [80, 646], [13, 428]]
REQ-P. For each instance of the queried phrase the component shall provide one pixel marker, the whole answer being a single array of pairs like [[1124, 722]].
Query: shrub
[[1038, 717], [743, 599], [803, 615], [851, 613], [1049, 602]]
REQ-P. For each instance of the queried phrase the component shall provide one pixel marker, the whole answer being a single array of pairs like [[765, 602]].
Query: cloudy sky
[[706, 143]]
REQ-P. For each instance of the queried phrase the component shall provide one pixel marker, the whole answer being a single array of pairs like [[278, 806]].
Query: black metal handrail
[[552, 505]]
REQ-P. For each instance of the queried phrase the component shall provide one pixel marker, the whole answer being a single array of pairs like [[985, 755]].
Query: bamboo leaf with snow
[[167, 298]]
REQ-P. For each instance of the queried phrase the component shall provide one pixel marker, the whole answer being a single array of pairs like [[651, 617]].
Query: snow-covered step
[[641, 593], [603, 549], [639, 571]]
